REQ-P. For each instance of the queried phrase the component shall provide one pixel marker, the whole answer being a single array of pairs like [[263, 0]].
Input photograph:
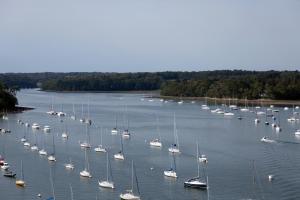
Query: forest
[[220, 83], [8, 100]]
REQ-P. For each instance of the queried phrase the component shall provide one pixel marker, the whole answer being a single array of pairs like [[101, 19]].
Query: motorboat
[[5, 166], [9, 174]]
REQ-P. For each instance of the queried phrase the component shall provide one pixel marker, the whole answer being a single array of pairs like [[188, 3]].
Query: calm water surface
[[230, 144]]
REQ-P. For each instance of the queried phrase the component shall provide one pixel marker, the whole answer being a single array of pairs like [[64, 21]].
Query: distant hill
[[220, 83]]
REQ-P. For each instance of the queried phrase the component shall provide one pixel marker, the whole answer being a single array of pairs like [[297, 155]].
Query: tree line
[[220, 83], [8, 100]]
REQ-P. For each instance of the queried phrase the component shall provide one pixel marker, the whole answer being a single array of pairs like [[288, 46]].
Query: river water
[[238, 163]]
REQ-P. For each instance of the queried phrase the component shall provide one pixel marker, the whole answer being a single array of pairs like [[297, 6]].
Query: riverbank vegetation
[[8, 100], [221, 84]]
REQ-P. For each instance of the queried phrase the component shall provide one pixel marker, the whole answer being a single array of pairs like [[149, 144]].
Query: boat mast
[[22, 173], [157, 127], [198, 167]]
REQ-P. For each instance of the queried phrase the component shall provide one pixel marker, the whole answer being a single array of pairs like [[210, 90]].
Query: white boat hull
[[119, 156], [85, 174], [170, 173], [106, 184]]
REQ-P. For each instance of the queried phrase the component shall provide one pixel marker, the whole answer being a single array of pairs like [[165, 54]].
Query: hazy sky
[[148, 35]]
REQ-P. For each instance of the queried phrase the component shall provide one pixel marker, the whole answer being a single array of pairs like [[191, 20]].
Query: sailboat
[[86, 172], [23, 139], [51, 111], [65, 134], [128, 194], [34, 147], [69, 165], [157, 141], [100, 147], [114, 131], [21, 182], [73, 116], [172, 171], [51, 157], [88, 120], [61, 113], [25, 143], [245, 109], [86, 144], [175, 147], [43, 152], [120, 155], [126, 133], [196, 182], [107, 183], [82, 120], [256, 120]]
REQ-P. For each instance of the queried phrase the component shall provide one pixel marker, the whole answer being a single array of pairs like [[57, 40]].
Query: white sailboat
[[70, 165], [175, 147], [88, 120], [245, 109], [21, 182], [120, 155], [51, 157], [73, 116], [43, 152], [196, 182], [86, 172], [114, 131], [26, 143], [107, 183], [23, 139], [51, 111], [82, 119], [86, 144], [157, 141], [34, 147], [172, 171], [100, 147], [65, 134], [129, 194]]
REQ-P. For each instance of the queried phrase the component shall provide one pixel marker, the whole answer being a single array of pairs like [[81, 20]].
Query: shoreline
[[211, 100], [19, 109]]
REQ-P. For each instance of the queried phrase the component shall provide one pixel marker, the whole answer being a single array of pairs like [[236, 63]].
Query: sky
[[148, 35]]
